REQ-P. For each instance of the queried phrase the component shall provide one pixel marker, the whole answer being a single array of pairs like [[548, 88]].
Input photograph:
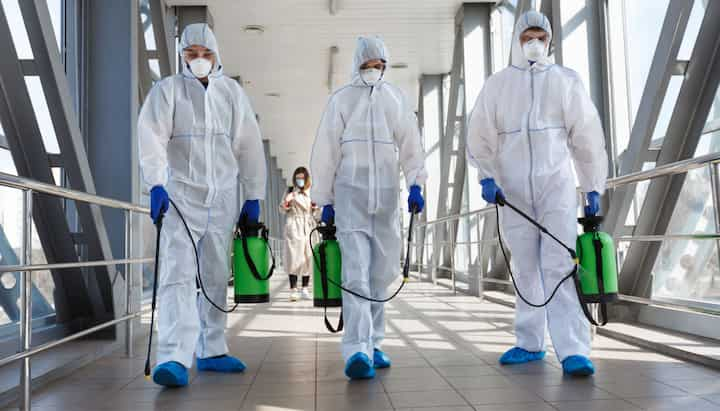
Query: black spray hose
[[197, 263], [158, 226], [198, 277], [405, 271], [501, 201]]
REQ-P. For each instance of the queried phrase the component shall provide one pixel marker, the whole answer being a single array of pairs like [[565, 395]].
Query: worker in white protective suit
[[367, 133], [531, 122], [198, 138]]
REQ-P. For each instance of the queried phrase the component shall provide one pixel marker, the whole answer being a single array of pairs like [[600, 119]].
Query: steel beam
[[72, 150], [163, 38]]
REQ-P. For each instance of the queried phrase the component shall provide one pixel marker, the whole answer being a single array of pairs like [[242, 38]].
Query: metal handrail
[[25, 269], [82, 264], [627, 179], [22, 183]]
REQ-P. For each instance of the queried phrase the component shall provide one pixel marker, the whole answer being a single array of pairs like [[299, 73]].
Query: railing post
[[128, 285], [452, 254], [481, 265], [26, 300]]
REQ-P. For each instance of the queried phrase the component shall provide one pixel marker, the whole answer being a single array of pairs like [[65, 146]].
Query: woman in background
[[300, 222]]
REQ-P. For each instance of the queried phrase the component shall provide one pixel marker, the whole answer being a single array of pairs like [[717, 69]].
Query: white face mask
[[534, 50], [300, 182], [200, 67], [371, 76]]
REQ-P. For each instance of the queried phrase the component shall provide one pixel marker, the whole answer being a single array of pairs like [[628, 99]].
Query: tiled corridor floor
[[444, 350]]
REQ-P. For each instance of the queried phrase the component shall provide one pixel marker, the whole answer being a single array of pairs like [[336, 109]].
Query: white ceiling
[[292, 56]]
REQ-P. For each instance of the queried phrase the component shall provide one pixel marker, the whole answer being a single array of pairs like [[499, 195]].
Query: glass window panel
[[17, 29], [637, 202], [692, 30], [56, 16], [146, 20], [643, 22], [619, 75], [666, 111], [37, 96], [687, 270]]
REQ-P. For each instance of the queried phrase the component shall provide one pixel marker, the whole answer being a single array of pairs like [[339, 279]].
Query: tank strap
[[251, 263], [324, 285], [603, 306]]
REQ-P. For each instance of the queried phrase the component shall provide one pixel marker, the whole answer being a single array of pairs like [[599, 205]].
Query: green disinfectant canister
[[326, 265], [251, 257], [597, 280], [327, 274]]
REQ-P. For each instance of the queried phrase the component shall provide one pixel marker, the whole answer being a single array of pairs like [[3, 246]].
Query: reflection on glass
[[687, 269]]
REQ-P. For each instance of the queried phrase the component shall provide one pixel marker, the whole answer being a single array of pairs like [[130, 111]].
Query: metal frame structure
[[77, 301]]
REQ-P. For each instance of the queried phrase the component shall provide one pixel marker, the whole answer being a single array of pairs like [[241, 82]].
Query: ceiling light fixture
[[272, 94], [399, 66], [254, 29]]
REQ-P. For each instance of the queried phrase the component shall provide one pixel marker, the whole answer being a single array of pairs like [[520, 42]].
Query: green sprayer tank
[[251, 259], [598, 270], [327, 264]]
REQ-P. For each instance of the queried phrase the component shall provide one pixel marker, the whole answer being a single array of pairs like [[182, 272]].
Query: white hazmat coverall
[[198, 143], [366, 135], [529, 126]]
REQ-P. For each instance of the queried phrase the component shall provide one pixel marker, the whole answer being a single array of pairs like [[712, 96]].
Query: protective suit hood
[[529, 19], [368, 48], [202, 35]]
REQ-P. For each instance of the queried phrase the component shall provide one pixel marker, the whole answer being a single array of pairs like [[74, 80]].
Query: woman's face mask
[[300, 182]]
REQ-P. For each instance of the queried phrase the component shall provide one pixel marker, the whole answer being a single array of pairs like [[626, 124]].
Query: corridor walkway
[[444, 350]]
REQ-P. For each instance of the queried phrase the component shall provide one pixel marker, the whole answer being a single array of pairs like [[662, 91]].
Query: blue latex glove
[[159, 202], [416, 203], [593, 207], [328, 214], [250, 211], [490, 191]]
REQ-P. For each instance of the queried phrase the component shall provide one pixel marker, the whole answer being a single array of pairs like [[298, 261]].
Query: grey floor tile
[[572, 392], [434, 383], [459, 408], [467, 371], [480, 382], [675, 403], [595, 405], [522, 406], [347, 387], [426, 399], [299, 403], [490, 396], [281, 390], [706, 386], [640, 389], [356, 402]]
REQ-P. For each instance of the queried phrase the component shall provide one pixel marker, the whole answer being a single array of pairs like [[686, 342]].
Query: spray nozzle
[[500, 199]]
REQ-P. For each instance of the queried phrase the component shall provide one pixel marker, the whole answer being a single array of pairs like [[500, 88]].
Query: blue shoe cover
[[223, 363], [579, 366], [170, 374], [380, 359], [359, 367], [517, 355]]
